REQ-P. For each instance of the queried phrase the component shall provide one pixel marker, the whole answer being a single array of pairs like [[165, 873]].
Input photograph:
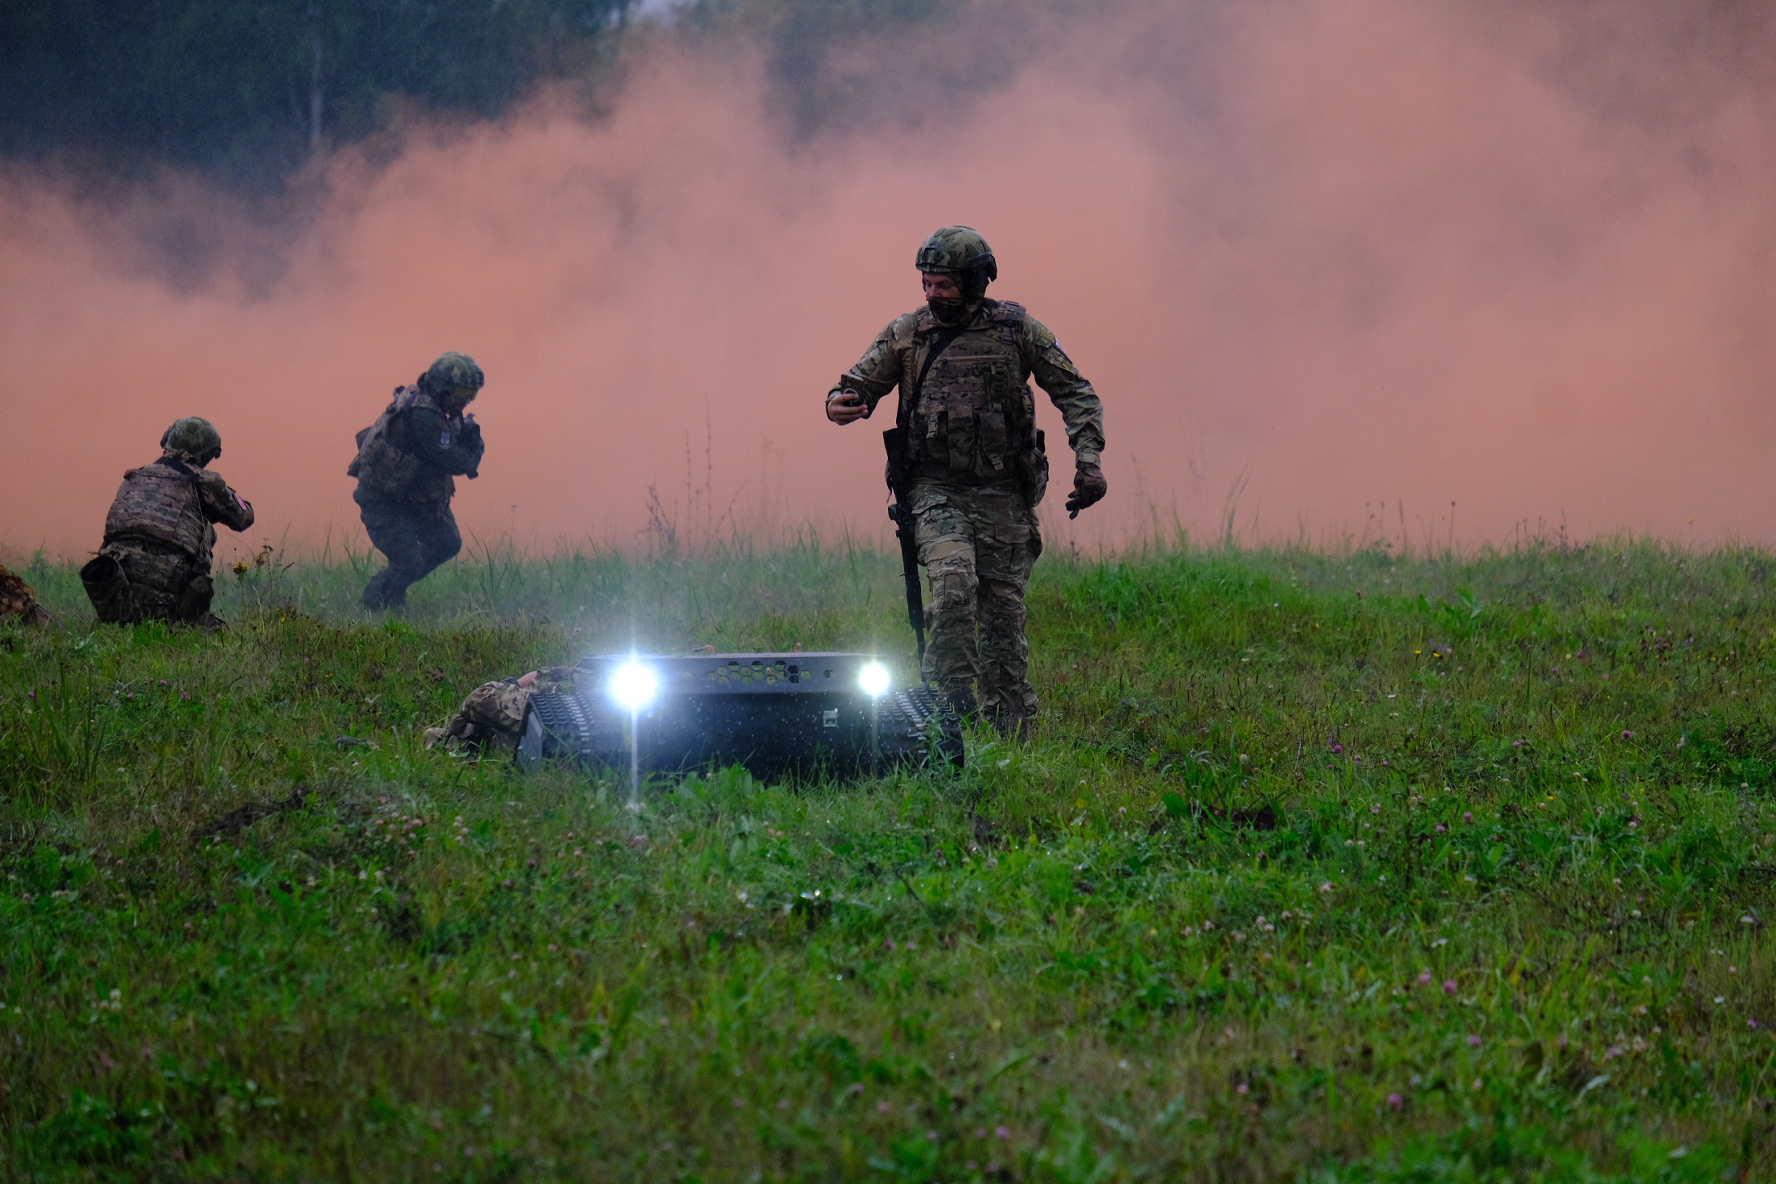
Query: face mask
[[948, 310]]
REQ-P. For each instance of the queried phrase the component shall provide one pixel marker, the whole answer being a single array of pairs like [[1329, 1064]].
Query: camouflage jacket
[[415, 450], [18, 601], [176, 503], [975, 415], [493, 714]]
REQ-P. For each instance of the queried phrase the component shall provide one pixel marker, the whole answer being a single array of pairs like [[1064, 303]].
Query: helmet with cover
[[193, 439], [962, 252], [450, 371]]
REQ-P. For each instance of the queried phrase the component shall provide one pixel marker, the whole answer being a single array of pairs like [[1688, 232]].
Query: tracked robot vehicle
[[773, 714]]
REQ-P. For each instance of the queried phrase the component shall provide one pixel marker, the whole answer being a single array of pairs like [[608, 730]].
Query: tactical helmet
[[962, 252], [452, 370], [194, 436]]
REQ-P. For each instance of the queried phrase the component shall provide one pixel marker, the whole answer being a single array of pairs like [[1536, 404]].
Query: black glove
[[1089, 488]]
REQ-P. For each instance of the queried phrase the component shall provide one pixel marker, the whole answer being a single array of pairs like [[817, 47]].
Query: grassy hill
[[1330, 868]]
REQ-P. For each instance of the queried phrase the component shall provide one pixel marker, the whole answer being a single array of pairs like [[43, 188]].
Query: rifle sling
[[903, 417]]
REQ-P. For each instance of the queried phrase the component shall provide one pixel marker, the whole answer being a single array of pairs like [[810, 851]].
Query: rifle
[[900, 511]]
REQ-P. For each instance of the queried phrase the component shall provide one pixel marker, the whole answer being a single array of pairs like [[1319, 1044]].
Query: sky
[[1342, 270]]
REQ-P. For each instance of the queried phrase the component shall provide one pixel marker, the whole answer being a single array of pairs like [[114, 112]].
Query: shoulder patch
[[443, 439]]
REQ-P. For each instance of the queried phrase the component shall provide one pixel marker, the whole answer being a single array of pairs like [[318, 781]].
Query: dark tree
[[251, 87]]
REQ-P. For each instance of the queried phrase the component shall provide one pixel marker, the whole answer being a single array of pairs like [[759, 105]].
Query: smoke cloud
[[1317, 256]]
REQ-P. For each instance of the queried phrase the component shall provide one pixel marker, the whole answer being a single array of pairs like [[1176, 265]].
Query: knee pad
[[948, 551], [950, 565]]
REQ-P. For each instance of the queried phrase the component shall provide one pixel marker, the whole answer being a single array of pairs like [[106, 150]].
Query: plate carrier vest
[[162, 503], [386, 471], [975, 415]]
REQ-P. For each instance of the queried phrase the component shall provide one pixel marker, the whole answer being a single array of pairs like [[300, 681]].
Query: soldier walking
[[407, 465], [160, 534], [977, 463]]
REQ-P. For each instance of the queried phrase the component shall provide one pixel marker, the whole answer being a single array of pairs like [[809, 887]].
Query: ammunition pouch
[[961, 439], [976, 423]]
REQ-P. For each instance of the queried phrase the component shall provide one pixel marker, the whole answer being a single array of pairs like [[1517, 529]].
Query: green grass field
[[1321, 868]]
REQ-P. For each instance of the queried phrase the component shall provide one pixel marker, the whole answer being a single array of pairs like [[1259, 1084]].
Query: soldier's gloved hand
[[472, 474], [1089, 488]]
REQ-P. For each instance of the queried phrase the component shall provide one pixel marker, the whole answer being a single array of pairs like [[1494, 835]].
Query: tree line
[[246, 91], [251, 88]]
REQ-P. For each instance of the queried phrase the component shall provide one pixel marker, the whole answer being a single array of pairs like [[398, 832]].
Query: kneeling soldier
[[159, 536]]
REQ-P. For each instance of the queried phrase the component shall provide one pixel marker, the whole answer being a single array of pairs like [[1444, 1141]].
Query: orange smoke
[[1343, 251]]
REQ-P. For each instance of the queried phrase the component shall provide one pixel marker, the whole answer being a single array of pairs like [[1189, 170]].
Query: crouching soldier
[[407, 465], [160, 534], [491, 720]]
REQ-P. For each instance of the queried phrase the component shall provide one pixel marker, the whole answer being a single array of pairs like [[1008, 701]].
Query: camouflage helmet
[[959, 251], [452, 370], [194, 437]]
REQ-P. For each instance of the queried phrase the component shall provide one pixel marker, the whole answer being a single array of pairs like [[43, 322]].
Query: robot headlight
[[874, 680], [634, 685]]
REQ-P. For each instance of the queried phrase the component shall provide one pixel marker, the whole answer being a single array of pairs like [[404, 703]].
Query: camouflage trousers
[[415, 540], [140, 580], [978, 545]]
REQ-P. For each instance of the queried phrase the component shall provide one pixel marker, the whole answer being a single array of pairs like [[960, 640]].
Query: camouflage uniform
[[406, 467], [979, 468], [492, 717], [18, 601], [160, 537]]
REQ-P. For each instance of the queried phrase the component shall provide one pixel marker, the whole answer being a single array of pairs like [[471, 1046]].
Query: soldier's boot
[[382, 592], [1008, 701], [962, 702], [1011, 722]]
